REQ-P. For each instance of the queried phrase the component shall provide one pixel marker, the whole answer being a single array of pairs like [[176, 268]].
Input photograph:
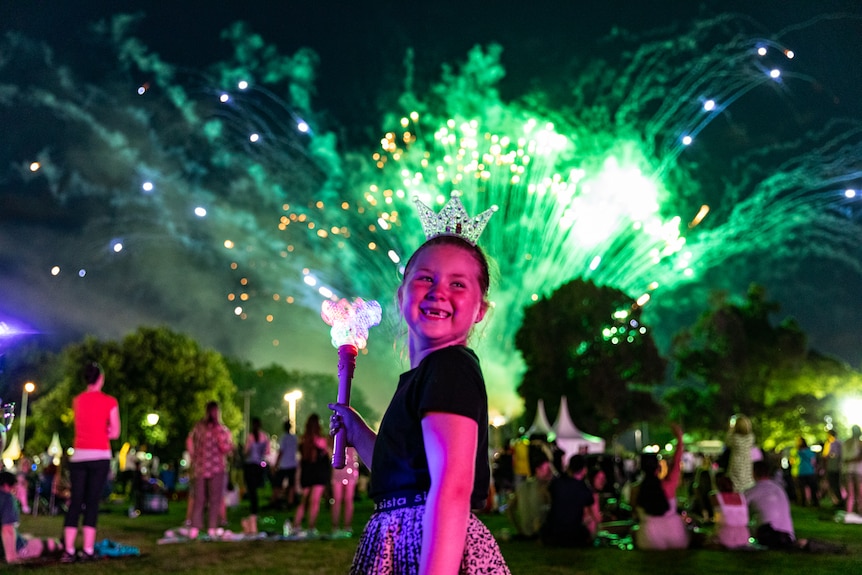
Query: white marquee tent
[[540, 423], [569, 438]]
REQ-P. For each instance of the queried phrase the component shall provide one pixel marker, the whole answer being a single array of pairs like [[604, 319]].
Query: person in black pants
[[97, 422]]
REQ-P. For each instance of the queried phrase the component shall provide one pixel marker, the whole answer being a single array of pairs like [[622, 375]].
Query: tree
[[736, 360], [28, 362], [736, 348], [153, 370], [806, 402], [587, 342], [52, 413]]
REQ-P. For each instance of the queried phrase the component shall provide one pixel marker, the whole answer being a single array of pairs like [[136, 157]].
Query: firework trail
[[229, 170]]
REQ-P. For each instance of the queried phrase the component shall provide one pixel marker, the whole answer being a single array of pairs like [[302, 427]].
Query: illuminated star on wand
[[350, 321], [350, 324]]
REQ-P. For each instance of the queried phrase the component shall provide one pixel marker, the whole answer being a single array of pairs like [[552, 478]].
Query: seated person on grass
[[731, 515], [770, 508], [15, 547], [572, 519], [529, 504]]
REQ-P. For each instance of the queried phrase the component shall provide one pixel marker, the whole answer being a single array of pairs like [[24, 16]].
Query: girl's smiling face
[[441, 298]]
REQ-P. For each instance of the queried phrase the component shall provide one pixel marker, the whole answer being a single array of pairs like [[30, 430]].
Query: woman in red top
[[97, 422]]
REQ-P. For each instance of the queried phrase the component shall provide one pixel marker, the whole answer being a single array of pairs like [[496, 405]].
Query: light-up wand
[[350, 324]]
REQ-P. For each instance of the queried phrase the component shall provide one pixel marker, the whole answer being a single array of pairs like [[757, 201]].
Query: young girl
[[731, 518], [429, 464], [740, 441]]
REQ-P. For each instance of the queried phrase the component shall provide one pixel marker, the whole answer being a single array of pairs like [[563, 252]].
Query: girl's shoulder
[[449, 360]]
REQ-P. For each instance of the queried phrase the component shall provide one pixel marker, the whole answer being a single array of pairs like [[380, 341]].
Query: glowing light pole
[[29, 388], [497, 422], [291, 398]]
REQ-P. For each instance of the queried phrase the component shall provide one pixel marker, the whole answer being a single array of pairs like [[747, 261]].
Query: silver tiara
[[453, 220]]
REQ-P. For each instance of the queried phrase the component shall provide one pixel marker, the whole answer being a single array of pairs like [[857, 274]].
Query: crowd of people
[[673, 501], [430, 474], [730, 500], [296, 468], [739, 499], [78, 486]]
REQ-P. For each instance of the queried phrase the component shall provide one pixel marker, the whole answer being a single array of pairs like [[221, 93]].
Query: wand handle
[[346, 365]]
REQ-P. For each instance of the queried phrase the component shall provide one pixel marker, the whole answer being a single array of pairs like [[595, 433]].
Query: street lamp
[[29, 388], [291, 398], [497, 422]]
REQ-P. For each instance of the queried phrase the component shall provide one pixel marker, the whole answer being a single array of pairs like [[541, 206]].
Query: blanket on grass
[[181, 535]]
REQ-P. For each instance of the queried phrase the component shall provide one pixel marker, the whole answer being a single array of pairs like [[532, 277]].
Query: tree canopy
[[587, 342], [735, 359], [152, 370], [267, 386]]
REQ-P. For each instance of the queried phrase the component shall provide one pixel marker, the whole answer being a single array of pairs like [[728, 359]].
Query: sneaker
[[87, 557], [68, 557], [108, 548]]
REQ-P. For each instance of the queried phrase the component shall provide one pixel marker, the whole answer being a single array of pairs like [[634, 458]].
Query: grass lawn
[[324, 557]]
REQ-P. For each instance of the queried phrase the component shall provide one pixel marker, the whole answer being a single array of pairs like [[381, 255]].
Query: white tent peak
[[571, 439], [540, 423], [565, 427]]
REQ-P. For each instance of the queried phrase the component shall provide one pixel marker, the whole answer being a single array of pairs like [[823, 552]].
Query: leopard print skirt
[[391, 542]]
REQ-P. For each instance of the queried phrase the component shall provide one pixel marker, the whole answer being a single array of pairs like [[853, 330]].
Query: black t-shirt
[[565, 521], [448, 380], [569, 498]]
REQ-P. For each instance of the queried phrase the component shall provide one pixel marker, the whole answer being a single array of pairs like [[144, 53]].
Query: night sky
[[160, 281]]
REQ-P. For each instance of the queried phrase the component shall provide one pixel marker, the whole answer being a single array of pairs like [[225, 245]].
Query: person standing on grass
[[97, 422], [343, 492], [740, 440], [286, 472], [429, 458], [208, 444], [851, 450], [254, 471], [832, 459], [808, 479], [314, 475]]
